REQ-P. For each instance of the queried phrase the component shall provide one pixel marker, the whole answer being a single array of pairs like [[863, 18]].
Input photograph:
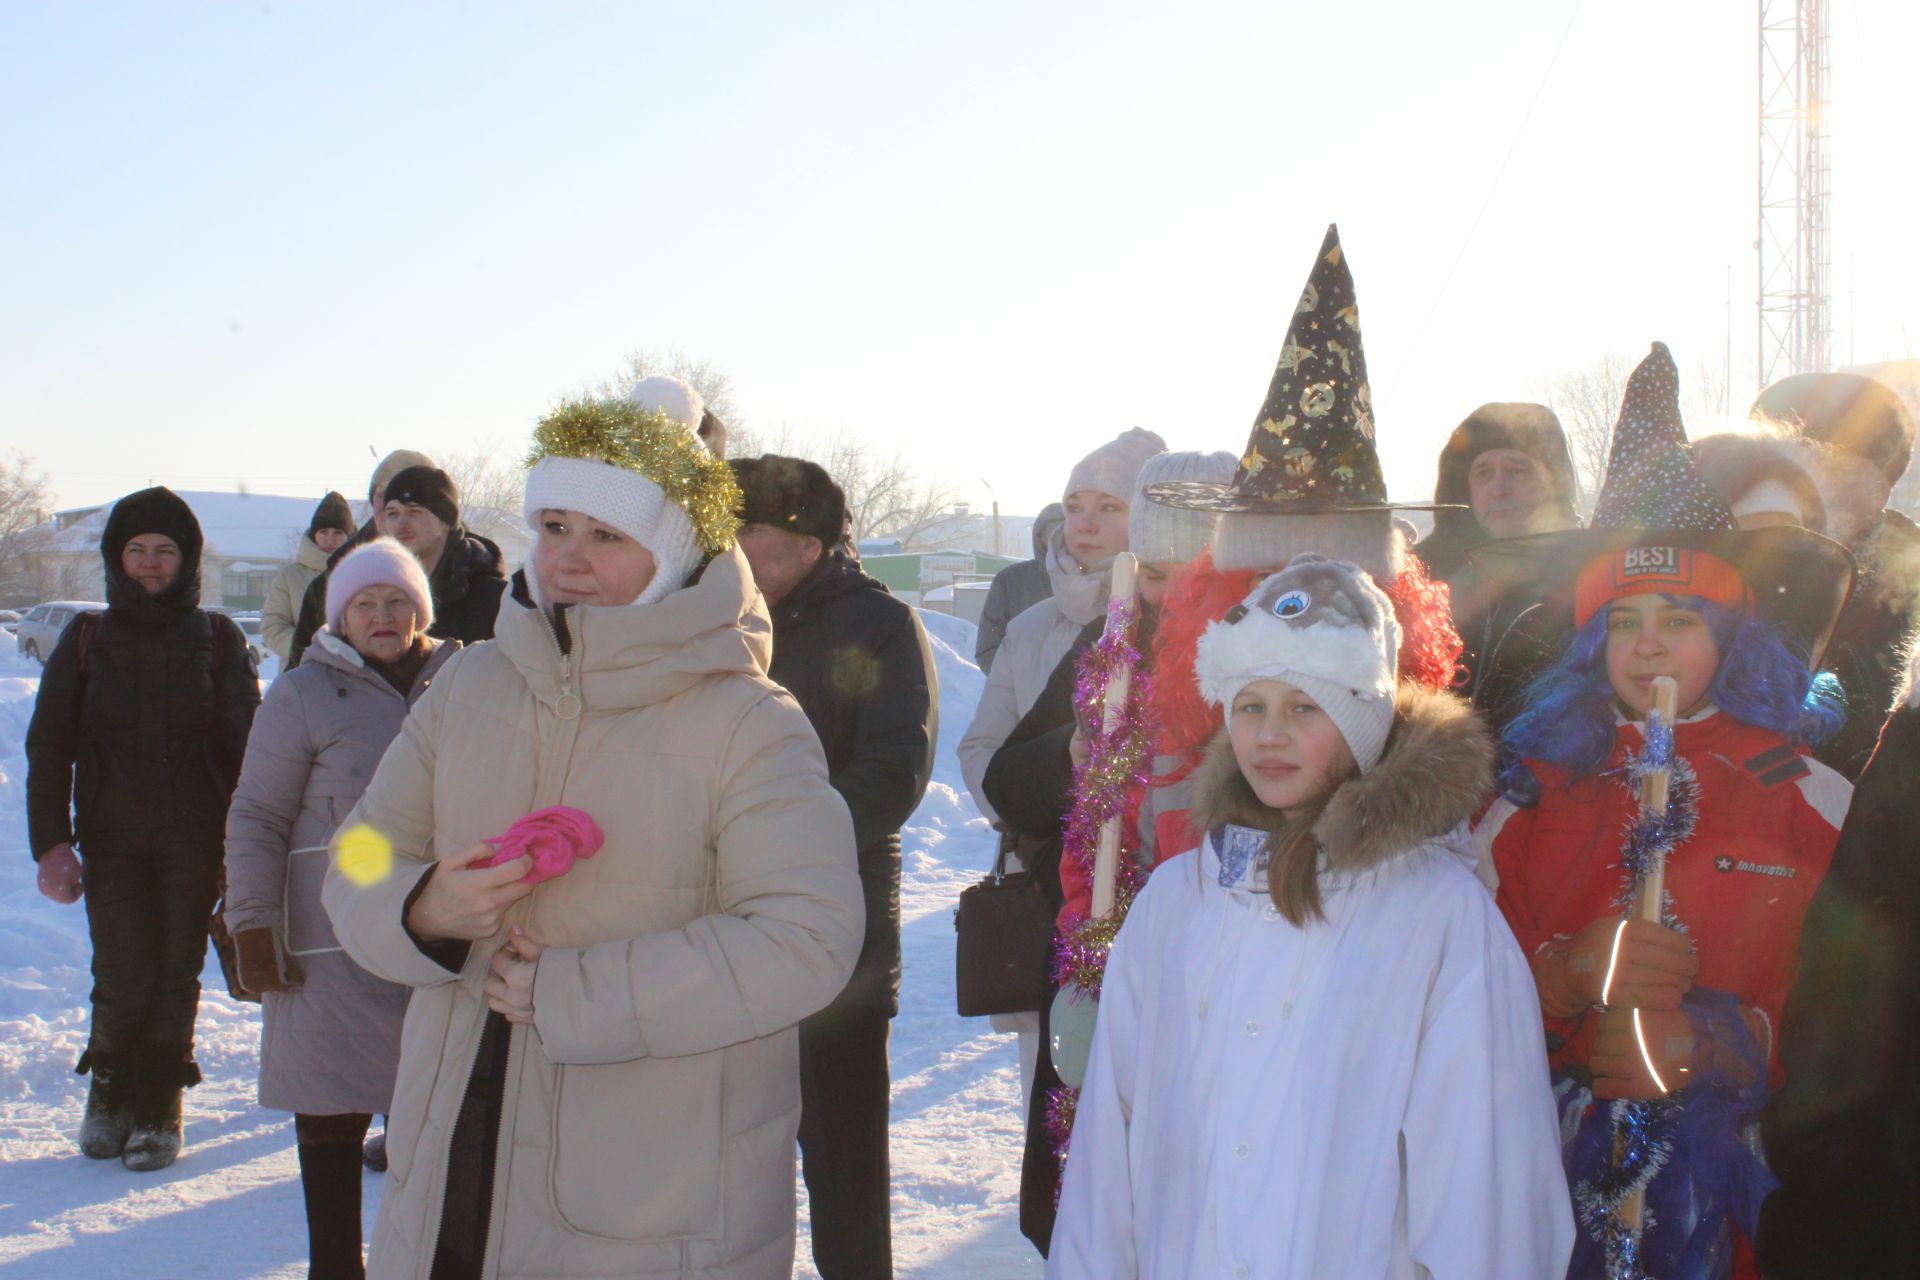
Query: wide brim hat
[[1312, 450], [1653, 497]]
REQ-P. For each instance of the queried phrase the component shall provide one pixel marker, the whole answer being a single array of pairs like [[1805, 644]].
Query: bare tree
[[24, 529], [714, 384], [489, 476], [886, 496]]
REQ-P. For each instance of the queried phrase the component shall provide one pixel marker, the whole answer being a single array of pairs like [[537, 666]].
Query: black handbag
[[1003, 954]]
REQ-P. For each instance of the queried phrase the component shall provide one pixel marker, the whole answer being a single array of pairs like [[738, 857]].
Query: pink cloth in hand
[[553, 837]]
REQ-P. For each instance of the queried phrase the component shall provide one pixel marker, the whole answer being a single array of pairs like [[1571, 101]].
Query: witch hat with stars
[[1312, 448], [1658, 527]]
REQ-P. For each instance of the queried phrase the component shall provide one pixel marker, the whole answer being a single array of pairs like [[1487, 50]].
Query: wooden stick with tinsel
[[1110, 692], [1633, 1120]]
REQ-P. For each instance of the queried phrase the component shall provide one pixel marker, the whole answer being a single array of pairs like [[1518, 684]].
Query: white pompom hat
[[637, 464], [379, 562]]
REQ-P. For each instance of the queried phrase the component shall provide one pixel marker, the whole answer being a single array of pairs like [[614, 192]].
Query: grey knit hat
[[1268, 540], [1115, 466], [1159, 534]]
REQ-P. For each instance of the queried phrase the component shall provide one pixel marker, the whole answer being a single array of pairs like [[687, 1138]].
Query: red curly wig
[[1200, 594]]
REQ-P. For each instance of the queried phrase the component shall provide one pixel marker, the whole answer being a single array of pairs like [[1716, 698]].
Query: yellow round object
[[363, 855]]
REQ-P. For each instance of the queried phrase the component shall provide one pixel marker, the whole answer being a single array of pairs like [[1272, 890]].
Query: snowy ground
[[231, 1206]]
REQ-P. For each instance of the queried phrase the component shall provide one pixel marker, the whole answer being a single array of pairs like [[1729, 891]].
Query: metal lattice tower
[[1796, 326]]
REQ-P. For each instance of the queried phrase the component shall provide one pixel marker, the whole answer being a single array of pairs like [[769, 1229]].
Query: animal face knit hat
[[637, 464], [1323, 627]]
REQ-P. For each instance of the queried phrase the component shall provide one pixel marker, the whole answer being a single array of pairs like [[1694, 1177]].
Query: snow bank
[[231, 1207]]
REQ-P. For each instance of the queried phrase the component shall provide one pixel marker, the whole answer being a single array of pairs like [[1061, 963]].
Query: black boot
[[109, 1118], [160, 1075], [330, 1182]]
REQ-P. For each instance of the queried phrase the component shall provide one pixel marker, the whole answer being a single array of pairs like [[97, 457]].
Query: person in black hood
[[1509, 464], [132, 755], [858, 663]]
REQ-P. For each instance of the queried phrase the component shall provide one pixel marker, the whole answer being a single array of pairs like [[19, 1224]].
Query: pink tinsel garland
[[1117, 763]]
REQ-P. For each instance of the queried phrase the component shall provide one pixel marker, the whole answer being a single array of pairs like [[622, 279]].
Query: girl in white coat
[[1318, 1051]]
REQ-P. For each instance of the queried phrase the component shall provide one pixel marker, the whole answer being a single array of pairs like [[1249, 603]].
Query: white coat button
[[1270, 911], [1253, 1028], [1241, 1149]]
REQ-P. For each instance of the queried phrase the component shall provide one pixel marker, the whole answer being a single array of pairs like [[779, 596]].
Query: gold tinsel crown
[[647, 442]]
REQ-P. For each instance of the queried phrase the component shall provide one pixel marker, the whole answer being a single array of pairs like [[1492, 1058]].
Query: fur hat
[[791, 494], [392, 465], [636, 464], [378, 562], [1323, 627], [427, 487], [332, 513], [1847, 411], [1114, 467], [1158, 534]]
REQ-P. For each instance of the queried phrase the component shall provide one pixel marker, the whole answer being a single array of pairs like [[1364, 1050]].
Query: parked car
[[9, 620], [40, 628], [256, 640]]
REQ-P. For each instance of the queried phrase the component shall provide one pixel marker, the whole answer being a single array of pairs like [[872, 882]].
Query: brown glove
[[264, 963], [1654, 968]]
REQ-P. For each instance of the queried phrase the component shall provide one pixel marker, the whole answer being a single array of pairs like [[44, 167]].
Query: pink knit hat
[[381, 562]]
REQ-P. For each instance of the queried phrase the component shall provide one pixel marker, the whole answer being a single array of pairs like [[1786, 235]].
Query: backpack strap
[[86, 624]]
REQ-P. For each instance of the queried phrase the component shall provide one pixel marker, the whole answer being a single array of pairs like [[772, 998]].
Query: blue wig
[[1569, 720]]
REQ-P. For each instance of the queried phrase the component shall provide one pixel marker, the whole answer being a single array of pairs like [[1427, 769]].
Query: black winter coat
[[152, 732], [1843, 1134], [1868, 651], [1029, 780], [467, 584], [858, 663]]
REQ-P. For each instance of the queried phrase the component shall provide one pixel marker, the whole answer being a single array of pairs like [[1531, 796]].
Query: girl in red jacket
[[1668, 586]]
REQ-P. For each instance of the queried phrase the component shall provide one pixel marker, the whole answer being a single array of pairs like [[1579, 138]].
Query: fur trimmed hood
[[1437, 770]]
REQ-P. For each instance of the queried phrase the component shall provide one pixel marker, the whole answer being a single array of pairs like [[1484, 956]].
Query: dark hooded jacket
[[1481, 613], [149, 728], [858, 663], [1017, 588], [467, 585], [1843, 1133]]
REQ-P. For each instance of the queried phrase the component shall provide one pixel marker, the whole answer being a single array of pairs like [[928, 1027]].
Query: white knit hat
[[1323, 627], [637, 464], [1173, 535], [379, 562], [1115, 465], [1266, 540]]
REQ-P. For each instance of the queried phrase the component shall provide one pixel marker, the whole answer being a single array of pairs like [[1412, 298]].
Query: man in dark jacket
[[1509, 464], [133, 752], [1017, 588], [420, 507], [859, 664], [1860, 439]]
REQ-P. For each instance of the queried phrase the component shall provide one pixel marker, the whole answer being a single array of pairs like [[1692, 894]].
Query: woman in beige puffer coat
[[599, 1074]]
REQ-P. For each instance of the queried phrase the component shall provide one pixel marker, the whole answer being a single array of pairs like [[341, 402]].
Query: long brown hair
[[1293, 858]]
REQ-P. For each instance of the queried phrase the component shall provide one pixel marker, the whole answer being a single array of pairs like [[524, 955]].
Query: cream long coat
[[650, 1113]]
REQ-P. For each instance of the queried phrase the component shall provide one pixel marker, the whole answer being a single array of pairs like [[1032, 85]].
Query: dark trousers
[[844, 1090], [330, 1177], [148, 898], [1039, 1166]]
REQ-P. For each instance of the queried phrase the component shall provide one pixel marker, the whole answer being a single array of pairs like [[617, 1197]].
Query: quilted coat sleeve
[[780, 946], [398, 804]]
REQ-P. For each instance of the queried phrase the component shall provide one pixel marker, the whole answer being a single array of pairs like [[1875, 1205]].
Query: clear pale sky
[[246, 243]]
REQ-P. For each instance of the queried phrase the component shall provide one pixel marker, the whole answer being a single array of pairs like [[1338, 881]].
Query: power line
[[1513, 146]]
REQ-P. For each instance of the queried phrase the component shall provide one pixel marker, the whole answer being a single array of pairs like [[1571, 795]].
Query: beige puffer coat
[[280, 611], [648, 1128]]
